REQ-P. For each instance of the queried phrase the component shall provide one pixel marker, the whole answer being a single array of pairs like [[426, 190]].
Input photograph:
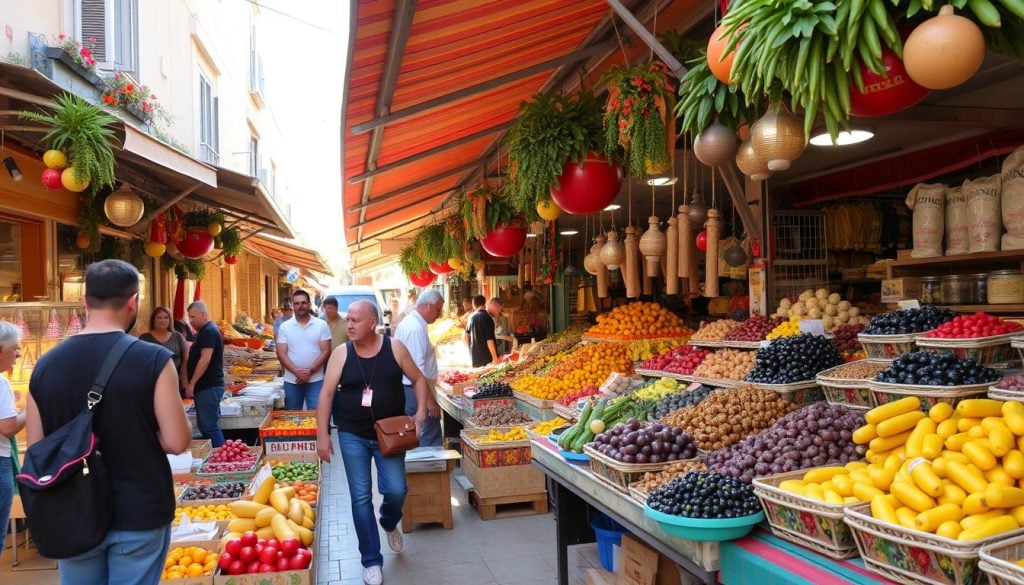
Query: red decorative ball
[[231, 260], [504, 241], [587, 187], [702, 241], [422, 279], [51, 179], [196, 244], [439, 268], [885, 95]]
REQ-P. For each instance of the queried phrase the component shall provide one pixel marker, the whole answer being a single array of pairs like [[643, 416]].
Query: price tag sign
[[911, 304], [812, 326]]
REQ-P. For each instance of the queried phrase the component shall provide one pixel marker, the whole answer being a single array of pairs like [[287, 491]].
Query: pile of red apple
[[682, 360], [454, 377], [974, 326], [233, 456], [754, 329], [251, 554]]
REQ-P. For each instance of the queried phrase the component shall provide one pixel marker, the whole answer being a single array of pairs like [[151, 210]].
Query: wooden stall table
[[428, 474]]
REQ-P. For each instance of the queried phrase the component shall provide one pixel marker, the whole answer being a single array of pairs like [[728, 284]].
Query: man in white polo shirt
[[303, 346], [412, 332]]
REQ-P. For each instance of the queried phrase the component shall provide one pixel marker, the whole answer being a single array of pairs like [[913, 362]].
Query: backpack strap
[[107, 370]]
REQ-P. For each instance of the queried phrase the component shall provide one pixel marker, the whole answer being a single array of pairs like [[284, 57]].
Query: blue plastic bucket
[[609, 534]]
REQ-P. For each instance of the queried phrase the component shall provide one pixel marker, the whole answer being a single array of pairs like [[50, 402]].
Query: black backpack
[[64, 485]]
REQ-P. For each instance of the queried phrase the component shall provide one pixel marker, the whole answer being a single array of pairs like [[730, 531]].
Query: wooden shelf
[[1012, 308], [959, 264]]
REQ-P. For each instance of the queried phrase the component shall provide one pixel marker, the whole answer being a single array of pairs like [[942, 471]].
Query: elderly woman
[[11, 421]]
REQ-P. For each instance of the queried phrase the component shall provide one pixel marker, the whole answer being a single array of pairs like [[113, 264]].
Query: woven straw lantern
[[778, 138], [602, 270], [652, 245], [751, 163], [590, 262], [715, 145], [613, 252], [123, 207]]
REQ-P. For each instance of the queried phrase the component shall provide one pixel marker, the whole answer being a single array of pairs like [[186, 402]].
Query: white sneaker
[[395, 539], [372, 576]]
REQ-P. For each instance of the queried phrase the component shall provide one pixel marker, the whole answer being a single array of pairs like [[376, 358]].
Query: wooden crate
[[509, 506], [494, 454], [288, 441], [429, 498], [497, 482]]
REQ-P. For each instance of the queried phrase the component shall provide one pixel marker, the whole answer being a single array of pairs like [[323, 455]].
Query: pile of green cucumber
[[597, 415]]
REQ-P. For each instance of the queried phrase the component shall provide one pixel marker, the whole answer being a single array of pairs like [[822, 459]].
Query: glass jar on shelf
[[957, 290], [980, 287], [1006, 287], [931, 290]]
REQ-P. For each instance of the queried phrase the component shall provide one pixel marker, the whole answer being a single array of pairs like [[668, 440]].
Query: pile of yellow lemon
[[590, 365], [545, 428], [201, 513], [190, 561], [293, 422], [786, 329], [513, 434]]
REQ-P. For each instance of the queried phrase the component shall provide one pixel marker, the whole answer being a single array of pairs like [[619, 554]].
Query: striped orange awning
[[404, 54]]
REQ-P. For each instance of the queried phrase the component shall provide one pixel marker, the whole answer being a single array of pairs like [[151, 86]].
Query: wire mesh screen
[[800, 253]]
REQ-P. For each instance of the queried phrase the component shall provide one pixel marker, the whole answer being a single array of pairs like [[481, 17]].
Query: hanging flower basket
[[588, 186], [197, 243], [505, 240], [422, 279]]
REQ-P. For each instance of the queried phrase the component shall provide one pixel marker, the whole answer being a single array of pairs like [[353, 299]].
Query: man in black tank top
[[364, 383], [139, 420]]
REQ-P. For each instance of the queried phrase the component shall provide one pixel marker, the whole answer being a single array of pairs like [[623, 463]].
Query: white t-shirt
[[412, 332], [303, 343], [7, 410]]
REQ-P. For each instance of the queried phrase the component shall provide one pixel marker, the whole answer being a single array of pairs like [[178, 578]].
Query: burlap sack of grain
[[984, 217], [928, 202], [957, 241], [1013, 200]]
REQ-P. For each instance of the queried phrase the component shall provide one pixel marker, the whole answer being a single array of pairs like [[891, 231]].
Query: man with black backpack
[[108, 519]]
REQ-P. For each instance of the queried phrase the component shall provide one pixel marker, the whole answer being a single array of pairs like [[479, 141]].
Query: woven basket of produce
[[849, 384], [815, 524], [1001, 561]]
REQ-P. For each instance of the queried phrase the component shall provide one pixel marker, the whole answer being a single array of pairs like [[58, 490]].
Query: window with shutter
[[208, 150], [93, 24], [114, 24]]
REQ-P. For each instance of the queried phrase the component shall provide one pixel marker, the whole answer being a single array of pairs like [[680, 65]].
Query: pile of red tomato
[[251, 554]]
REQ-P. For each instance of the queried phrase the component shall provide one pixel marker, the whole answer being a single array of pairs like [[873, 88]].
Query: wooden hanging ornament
[[652, 245], [671, 260], [714, 228], [602, 270], [613, 253], [632, 273]]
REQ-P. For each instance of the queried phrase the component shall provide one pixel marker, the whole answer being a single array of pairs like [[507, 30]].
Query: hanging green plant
[[702, 98], [195, 267], [201, 218], [472, 206], [549, 131], [90, 216], [410, 261], [430, 241], [454, 236], [634, 118], [231, 240], [83, 132]]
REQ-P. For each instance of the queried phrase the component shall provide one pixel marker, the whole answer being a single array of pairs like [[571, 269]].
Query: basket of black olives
[[623, 453], [934, 377], [705, 507], [892, 334]]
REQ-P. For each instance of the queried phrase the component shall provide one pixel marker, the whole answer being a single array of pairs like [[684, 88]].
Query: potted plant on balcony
[[554, 151], [77, 56], [494, 220], [123, 91], [635, 115]]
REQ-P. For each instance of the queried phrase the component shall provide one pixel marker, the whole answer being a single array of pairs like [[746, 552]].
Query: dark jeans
[[6, 495], [208, 414], [356, 454]]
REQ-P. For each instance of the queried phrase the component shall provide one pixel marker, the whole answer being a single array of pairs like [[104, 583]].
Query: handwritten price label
[[285, 447]]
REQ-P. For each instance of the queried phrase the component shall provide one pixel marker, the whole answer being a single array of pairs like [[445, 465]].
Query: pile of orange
[[638, 321], [190, 561], [308, 491], [590, 365]]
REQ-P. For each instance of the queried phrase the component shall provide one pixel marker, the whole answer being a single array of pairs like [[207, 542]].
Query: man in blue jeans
[[205, 382], [303, 346]]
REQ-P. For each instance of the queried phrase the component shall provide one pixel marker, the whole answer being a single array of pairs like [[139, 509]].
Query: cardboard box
[[208, 545], [900, 289], [497, 482], [601, 577], [642, 565], [298, 441]]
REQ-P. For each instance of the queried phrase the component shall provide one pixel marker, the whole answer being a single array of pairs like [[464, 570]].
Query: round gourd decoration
[[944, 51], [715, 145], [778, 138]]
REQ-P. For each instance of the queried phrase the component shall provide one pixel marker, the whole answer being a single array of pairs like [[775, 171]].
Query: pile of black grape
[[678, 400], [927, 368], [636, 442], [816, 435], [906, 321], [705, 495], [217, 491], [493, 390], [793, 359]]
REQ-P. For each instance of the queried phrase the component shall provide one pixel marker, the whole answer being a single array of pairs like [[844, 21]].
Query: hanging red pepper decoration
[[198, 295], [179, 299]]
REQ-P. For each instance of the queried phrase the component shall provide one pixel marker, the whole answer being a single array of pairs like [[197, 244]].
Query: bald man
[[205, 373]]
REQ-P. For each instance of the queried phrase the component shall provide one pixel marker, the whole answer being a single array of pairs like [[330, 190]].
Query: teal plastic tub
[[704, 530]]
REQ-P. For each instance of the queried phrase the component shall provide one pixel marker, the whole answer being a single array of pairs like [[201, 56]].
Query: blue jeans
[[430, 430], [6, 497], [296, 394], [356, 453], [124, 556], [208, 414]]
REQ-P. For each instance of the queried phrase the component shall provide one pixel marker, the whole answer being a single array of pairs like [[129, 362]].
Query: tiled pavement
[[515, 551]]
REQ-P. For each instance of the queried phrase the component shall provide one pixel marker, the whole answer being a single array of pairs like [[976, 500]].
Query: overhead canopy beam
[[405, 190], [649, 39], [991, 118], [401, 23], [481, 87], [394, 230], [144, 222], [428, 153], [739, 198]]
